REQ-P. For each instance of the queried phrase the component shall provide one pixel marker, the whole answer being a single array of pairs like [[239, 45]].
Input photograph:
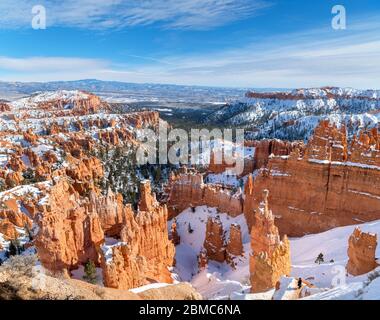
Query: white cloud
[[95, 14], [49, 64], [307, 59]]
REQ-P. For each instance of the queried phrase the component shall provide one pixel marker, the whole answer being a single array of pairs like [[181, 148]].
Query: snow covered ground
[[221, 281]]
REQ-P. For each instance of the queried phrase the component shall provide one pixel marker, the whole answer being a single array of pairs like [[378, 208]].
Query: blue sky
[[239, 43]]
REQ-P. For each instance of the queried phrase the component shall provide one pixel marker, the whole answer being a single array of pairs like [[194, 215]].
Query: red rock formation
[[18, 219], [264, 149], [361, 252], [13, 179], [188, 190], [30, 136], [202, 260], [34, 160], [235, 244], [331, 185], [8, 230], [110, 137], [4, 107], [147, 201], [84, 172], [301, 94], [111, 212], [174, 236], [70, 232], [219, 166], [143, 119], [145, 251], [214, 243], [270, 257], [16, 164]]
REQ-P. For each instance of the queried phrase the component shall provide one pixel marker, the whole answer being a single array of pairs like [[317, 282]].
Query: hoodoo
[[270, 257]]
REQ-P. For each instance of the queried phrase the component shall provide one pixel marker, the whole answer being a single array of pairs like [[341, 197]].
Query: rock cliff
[[187, 190], [331, 185]]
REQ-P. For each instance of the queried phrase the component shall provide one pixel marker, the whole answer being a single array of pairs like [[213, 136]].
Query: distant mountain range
[[125, 92]]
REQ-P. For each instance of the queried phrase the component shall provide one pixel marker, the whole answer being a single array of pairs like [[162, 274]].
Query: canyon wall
[[187, 190], [332, 184]]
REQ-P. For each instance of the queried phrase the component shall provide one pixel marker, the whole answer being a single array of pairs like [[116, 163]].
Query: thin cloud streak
[[111, 14], [308, 59]]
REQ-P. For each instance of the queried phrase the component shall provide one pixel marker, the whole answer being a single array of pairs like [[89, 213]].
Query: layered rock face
[[188, 189], [264, 149], [222, 165], [361, 252], [144, 251], [270, 257], [331, 185]]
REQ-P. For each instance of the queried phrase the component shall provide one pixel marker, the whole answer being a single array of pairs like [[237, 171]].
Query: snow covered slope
[[221, 281], [294, 114]]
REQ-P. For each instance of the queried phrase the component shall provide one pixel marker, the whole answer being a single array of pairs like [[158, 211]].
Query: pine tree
[[28, 232], [299, 283], [320, 259], [90, 272], [157, 176], [14, 248]]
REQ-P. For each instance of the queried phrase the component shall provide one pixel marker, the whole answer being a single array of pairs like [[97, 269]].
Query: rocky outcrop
[[187, 190], [4, 107], [144, 251], [270, 258], [361, 252], [235, 244], [174, 236], [267, 148], [16, 218], [70, 231], [214, 243], [218, 166], [180, 291], [8, 230], [202, 260], [331, 185]]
